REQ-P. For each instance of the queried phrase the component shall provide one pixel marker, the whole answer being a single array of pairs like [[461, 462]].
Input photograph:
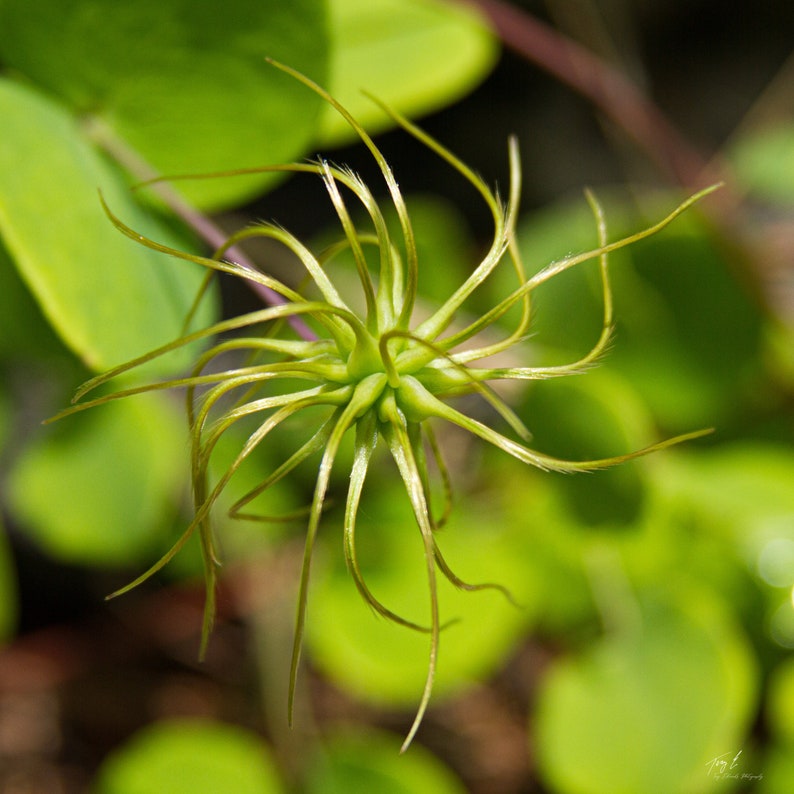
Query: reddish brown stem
[[198, 222], [609, 90]]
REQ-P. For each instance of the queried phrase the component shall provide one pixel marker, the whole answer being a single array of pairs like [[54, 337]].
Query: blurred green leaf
[[551, 548], [8, 590], [647, 711], [687, 334], [108, 298], [731, 507], [99, 491], [415, 55], [742, 487], [690, 339], [776, 771], [763, 161], [243, 539], [185, 85], [386, 663], [23, 330], [780, 709], [190, 757], [567, 310], [366, 763], [592, 416]]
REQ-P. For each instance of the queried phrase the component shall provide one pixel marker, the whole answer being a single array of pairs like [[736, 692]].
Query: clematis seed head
[[380, 375]]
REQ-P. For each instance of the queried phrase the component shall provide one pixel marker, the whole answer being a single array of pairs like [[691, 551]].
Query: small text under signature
[[728, 766]]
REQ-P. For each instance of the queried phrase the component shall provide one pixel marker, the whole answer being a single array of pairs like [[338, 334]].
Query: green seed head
[[379, 375]]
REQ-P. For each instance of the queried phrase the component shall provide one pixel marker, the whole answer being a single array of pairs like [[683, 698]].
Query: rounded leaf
[[415, 55], [184, 85], [108, 298], [387, 663], [365, 763], [780, 710], [101, 489], [647, 712], [763, 160], [190, 757]]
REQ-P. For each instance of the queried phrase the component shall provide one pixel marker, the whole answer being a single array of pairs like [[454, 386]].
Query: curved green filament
[[361, 399], [309, 448], [391, 183], [375, 374], [355, 246], [366, 439], [399, 444]]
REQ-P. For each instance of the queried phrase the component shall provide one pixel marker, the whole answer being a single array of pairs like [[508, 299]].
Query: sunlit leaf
[[647, 711], [98, 491], [743, 487], [184, 85], [416, 55], [763, 161], [107, 298], [775, 772], [365, 763], [190, 757], [386, 663], [780, 712]]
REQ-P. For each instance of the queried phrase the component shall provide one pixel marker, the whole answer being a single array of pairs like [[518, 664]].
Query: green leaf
[[560, 333], [592, 416], [689, 338], [8, 590], [386, 663], [763, 161], [549, 543], [190, 757], [365, 763], [741, 493], [744, 488], [108, 298], [780, 711], [184, 85], [415, 55], [687, 334], [648, 711], [102, 489], [23, 330], [775, 772]]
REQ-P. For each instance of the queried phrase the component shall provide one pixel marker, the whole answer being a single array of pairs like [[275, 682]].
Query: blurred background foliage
[[651, 651]]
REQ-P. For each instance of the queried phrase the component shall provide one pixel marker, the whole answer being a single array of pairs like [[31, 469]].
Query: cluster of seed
[[377, 375]]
